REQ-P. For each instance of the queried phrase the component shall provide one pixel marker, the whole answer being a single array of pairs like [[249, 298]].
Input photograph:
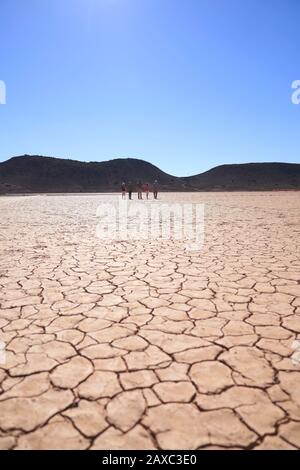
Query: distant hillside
[[47, 174], [248, 176], [37, 174]]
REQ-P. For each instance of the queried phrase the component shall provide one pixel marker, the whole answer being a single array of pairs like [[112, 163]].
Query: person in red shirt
[[146, 190]]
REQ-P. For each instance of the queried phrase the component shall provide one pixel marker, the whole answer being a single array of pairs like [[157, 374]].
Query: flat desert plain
[[144, 344]]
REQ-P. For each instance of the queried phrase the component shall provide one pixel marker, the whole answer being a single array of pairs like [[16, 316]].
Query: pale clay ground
[[143, 345]]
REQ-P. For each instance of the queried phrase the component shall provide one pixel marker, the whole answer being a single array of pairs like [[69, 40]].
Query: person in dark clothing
[[130, 189], [155, 189], [123, 190]]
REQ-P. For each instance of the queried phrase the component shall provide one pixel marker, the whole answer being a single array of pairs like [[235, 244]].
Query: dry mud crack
[[145, 345]]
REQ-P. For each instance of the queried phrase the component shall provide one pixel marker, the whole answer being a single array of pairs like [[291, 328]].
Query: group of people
[[140, 188]]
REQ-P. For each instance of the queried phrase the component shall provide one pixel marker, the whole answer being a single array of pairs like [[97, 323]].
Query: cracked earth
[[144, 345]]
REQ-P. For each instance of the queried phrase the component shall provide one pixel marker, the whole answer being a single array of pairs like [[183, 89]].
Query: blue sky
[[184, 84]]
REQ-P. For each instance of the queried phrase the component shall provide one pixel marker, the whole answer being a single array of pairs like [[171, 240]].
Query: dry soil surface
[[113, 344]]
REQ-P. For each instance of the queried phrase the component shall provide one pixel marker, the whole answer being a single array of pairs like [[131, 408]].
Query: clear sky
[[184, 84]]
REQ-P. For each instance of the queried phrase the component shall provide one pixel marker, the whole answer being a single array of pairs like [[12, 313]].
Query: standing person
[[130, 189], [140, 190], [123, 190], [146, 190], [155, 189]]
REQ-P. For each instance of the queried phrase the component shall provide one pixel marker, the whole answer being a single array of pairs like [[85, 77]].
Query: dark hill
[[36, 174], [47, 174], [249, 176]]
